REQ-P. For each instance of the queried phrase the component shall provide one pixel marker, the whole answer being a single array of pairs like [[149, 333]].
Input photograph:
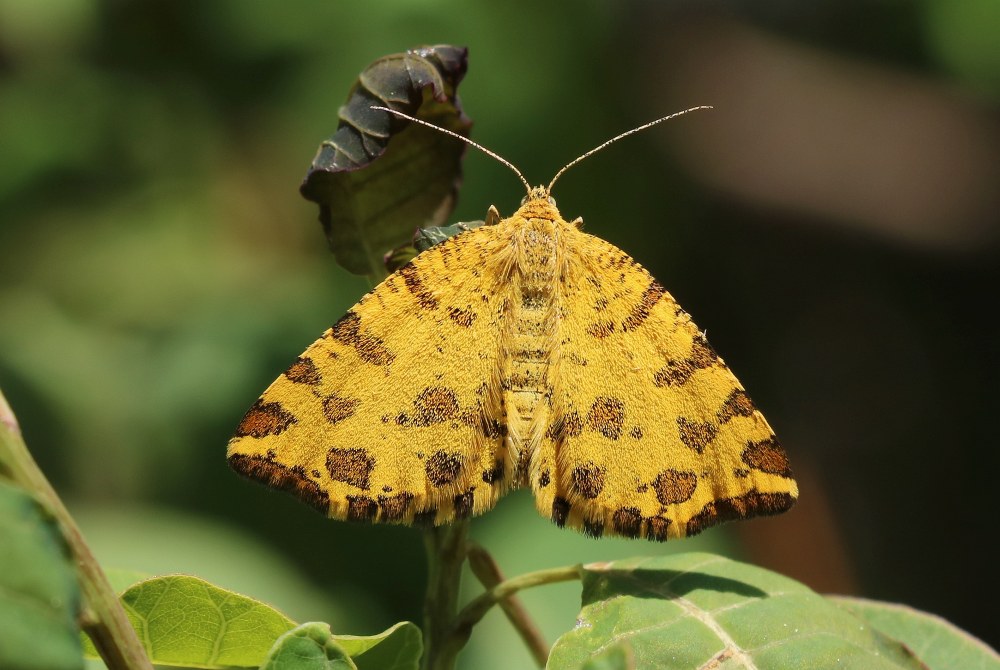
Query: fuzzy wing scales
[[388, 417], [653, 435]]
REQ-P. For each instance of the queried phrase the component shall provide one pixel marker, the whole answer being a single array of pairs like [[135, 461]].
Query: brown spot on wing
[[607, 416], [337, 408], [656, 528], [494, 474], [415, 285], [543, 479], [738, 403], [304, 371], [674, 486], [636, 432], [463, 317], [351, 466], [394, 508], [560, 510], [640, 312], [361, 508], [276, 475], [740, 507], [674, 373], [694, 434], [435, 405], [702, 353], [593, 528], [627, 521], [443, 468], [601, 329], [369, 348], [588, 480], [263, 419], [767, 456]]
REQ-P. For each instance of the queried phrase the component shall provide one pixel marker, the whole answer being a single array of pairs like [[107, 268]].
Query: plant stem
[[102, 616], [445, 556], [488, 573], [472, 613]]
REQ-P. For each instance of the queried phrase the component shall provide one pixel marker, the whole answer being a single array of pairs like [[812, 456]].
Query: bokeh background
[[833, 224]]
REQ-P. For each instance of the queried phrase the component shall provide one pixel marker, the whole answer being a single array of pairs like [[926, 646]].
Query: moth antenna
[[618, 137], [486, 151]]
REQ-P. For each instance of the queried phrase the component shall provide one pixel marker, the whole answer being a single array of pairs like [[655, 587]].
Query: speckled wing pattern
[[524, 353], [389, 416], [656, 437]]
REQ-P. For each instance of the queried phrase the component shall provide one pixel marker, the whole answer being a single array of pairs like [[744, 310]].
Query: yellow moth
[[521, 353]]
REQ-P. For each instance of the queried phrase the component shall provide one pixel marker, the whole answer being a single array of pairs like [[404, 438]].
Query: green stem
[[445, 556], [472, 613], [102, 617], [488, 573]]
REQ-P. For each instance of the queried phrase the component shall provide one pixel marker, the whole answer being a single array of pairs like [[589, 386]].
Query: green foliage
[[619, 656], [186, 621], [38, 590], [397, 648], [936, 642], [309, 646], [692, 610], [962, 34]]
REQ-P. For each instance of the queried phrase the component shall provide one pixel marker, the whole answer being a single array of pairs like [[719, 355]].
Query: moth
[[523, 353]]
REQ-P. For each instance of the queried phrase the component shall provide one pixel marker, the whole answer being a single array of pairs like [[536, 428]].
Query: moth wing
[[652, 435], [388, 416]]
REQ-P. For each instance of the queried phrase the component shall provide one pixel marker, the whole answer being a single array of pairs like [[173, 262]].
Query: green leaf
[[309, 646], [379, 178], [428, 237], [617, 657], [39, 598], [424, 239], [938, 643], [398, 648], [695, 610], [186, 621]]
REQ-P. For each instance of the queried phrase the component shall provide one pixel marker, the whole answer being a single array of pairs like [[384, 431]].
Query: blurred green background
[[833, 224]]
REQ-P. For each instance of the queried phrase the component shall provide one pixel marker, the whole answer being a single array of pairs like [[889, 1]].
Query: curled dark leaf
[[378, 178]]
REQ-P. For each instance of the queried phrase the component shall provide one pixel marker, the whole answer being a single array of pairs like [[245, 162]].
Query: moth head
[[538, 193]]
